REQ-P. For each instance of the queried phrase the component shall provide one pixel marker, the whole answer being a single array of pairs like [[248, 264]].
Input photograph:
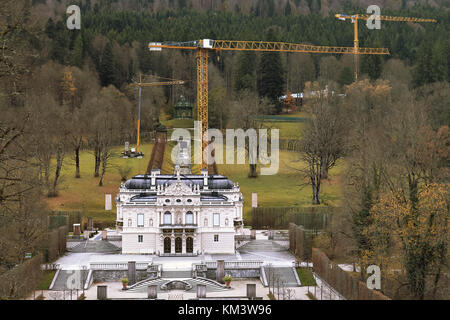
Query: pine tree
[[345, 77], [271, 83], [78, 51], [107, 69], [271, 75], [245, 79]]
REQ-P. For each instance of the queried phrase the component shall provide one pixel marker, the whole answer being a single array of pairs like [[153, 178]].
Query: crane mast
[[354, 19]]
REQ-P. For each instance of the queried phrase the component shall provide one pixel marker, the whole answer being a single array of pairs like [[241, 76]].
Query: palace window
[[150, 223], [216, 238], [216, 220], [140, 238], [226, 222], [205, 223], [167, 218], [189, 217], [130, 222], [140, 220]]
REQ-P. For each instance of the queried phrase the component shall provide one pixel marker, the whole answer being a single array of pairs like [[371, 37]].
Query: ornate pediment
[[178, 188]]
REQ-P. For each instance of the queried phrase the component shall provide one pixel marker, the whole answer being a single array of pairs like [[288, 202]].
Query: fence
[[64, 218], [21, 280], [117, 265], [290, 145], [250, 264], [311, 218], [350, 287]]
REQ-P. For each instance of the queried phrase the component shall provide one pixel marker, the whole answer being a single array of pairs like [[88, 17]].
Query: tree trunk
[[104, 164], [59, 163], [253, 173], [97, 162], [316, 192], [77, 162]]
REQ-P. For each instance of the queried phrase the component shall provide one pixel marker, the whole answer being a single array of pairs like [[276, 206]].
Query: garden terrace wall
[[311, 218], [350, 287]]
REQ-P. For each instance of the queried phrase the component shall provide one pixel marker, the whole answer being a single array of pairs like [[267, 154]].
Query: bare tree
[[247, 112], [323, 139]]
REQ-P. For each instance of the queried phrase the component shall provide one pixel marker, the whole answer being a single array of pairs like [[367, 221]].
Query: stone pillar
[[104, 235], [271, 232], [201, 291], [220, 271], [152, 292], [108, 202], [76, 229], [253, 234], [102, 292], [251, 290], [131, 272]]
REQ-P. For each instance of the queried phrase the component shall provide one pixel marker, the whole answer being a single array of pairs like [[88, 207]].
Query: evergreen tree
[[245, 79], [423, 70], [107, 69], [271, 80], [372, 64], [271, 75], [345, 77], [78, 52]]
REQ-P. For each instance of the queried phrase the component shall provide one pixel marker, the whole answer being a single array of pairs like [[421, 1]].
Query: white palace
[[179, 215]]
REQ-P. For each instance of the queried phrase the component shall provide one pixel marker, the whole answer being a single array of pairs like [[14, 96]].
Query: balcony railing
[[186, 225]]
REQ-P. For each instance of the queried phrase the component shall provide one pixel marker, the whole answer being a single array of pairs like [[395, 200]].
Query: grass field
[[306, 277], [46, 281], [282, 189]]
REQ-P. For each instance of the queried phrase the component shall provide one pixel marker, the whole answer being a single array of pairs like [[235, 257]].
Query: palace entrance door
[[189, 245], [178, 245], [167, 245]]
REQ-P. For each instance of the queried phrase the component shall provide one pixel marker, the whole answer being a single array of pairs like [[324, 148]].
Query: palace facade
[[179, 215]]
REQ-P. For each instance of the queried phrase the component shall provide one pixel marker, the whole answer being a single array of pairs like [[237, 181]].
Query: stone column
[[152, 292], [201, 291], [251, 290], [220, 271], [102, 292], [253, 234], [131, 272]]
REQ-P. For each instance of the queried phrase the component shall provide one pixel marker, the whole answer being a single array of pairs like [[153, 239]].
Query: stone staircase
[[284, 274], [95, 246], [261, 245], [174, 274], [76, 277], [177, 275]]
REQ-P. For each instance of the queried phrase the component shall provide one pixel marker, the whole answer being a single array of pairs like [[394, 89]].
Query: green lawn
[[46, 280], [306, 277], [282, 189]]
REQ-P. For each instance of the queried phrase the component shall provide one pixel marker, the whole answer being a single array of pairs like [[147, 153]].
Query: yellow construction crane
[[202, 47], [354, 18], [140, 84]]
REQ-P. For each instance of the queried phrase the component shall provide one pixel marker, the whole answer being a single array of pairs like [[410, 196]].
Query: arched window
[[130, 222], [189, 217], [167, 217], [206, 222], [150, 223]]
